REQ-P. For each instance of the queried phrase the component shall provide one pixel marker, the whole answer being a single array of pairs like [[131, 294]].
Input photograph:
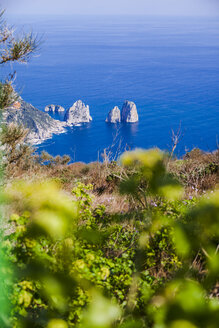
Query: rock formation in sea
[[41, 126], [78, 113], [129, 112], [114, 116], [54, 108]]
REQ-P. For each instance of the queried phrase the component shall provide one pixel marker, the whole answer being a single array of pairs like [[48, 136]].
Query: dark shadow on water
[[130, 129]]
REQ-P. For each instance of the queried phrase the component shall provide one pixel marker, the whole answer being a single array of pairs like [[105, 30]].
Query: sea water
[[168, 66]]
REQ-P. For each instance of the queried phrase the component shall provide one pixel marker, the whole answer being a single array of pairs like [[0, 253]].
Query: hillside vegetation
[[131, 243]]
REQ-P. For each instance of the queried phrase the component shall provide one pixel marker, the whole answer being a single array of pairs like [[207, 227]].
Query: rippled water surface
[[168, 67]]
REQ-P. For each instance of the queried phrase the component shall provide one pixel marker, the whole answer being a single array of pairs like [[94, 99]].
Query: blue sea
[[168, 66]]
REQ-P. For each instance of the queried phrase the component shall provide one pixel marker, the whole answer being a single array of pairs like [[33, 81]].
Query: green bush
[[77, 266]]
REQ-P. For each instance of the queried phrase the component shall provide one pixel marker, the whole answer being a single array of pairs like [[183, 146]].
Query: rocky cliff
[[114, 116], [41, 126], [54, 108], [129, 112], [78, 113]]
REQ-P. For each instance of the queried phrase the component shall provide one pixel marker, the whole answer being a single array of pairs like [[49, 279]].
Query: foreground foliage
[[75, 265], [13, 48]]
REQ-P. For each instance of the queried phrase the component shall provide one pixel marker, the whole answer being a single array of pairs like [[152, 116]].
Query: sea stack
[[129, 112], [54, 108], [78, 113], [114, 116]]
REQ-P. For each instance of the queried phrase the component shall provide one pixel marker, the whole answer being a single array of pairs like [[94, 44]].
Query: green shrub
[[77, 266]]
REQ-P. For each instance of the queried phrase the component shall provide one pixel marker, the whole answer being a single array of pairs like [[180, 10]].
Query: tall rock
[[54, 108], [40, 125], [114, 116], [78, 113], [129, 112]]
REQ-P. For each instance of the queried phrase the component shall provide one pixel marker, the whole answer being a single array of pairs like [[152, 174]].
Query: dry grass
[[198, 171], [114, 203]]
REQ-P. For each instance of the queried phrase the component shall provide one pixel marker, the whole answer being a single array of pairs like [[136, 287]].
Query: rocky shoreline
[[42, 126]]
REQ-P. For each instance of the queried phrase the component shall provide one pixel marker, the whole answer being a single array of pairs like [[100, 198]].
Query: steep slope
[[41, 126]]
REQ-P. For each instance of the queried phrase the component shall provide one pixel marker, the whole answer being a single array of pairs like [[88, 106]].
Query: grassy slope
[[197, 171]]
